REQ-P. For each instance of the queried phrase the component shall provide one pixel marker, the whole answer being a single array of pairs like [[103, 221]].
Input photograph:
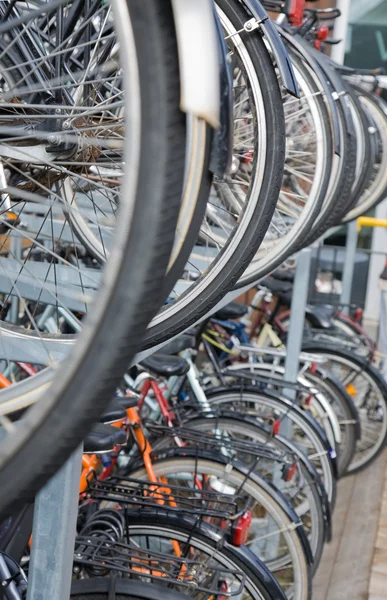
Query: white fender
[[198, 59]]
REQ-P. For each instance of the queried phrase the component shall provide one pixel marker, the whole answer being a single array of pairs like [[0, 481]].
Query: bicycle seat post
[[53, 534]]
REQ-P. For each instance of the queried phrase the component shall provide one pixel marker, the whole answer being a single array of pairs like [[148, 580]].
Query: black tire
[[57, 424], [255, 432], [245, 246], [263, 268], [376, 107], [297, 559], [239, 398], [345, 411], [342, 196], [257, 575], [103, 588], [365, 370], [369, 148]]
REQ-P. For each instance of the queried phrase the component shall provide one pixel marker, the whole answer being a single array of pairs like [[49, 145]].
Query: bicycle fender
[[222, 141], [320, 79], [276, 45], [339, 92], [199, 74]]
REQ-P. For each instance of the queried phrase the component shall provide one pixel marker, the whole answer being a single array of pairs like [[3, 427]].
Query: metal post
[[349, 266], [376, 265], [296, 325], [340, 31], [53, 535]]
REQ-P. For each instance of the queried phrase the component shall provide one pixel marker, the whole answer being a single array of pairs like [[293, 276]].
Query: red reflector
[[322, 33], [290, 472], [240, 529], [358, 314], [295, 12], [276, 427]]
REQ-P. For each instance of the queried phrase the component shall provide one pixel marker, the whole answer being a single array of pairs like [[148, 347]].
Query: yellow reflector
[[352, 391]]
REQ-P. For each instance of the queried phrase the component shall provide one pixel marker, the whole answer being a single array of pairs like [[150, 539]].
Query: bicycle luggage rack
[[181, 499], [128, 559], [267, 381], [258, 450]]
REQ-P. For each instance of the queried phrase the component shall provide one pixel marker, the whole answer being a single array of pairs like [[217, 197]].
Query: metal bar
[[370, 222], [349, 266], [376, 266], [340, 31], [53, 535], [296, 325]]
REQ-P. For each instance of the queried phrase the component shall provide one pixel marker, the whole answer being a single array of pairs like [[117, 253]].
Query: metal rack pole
[[340, 31], [349, 266], [53, 534], [296, 325]]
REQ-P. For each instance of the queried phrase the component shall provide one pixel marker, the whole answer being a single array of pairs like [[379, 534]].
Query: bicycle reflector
[[358, 314], [351, 390], [240, 529], [322, 33], [294, 10], [288, 472], [276, 426]]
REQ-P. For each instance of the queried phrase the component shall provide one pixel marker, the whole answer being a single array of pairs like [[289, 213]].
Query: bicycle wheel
[[375, 190], [103, 588], [339, 195], [240, 206], [342, 332], [308, 166], [365, 148], [130, 294], [306, 433], [369, 393], [274, 536], [308, 397], [200, 545], [302, 490]]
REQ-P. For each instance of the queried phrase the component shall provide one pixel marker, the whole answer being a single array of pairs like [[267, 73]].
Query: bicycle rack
[[53, 534]]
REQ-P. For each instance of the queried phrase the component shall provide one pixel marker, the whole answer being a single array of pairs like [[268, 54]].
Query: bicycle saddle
[[282, 289], [283, 275], [128, 401], [231, 311], [113, 412], [321, 317], [165, 365], [183, 342], [102, 438]]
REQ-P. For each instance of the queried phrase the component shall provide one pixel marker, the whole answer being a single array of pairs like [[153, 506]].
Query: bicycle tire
[[368, 155], [345, 410], [375, 191], [322, 452], [361, 367], [341, 195], [255, 486], [103, 588], [253, 431], [259, 267], [226, 269], [202, 535], [56, 425]]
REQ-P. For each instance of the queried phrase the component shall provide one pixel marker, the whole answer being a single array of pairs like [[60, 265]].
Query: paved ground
[[354, 564]]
